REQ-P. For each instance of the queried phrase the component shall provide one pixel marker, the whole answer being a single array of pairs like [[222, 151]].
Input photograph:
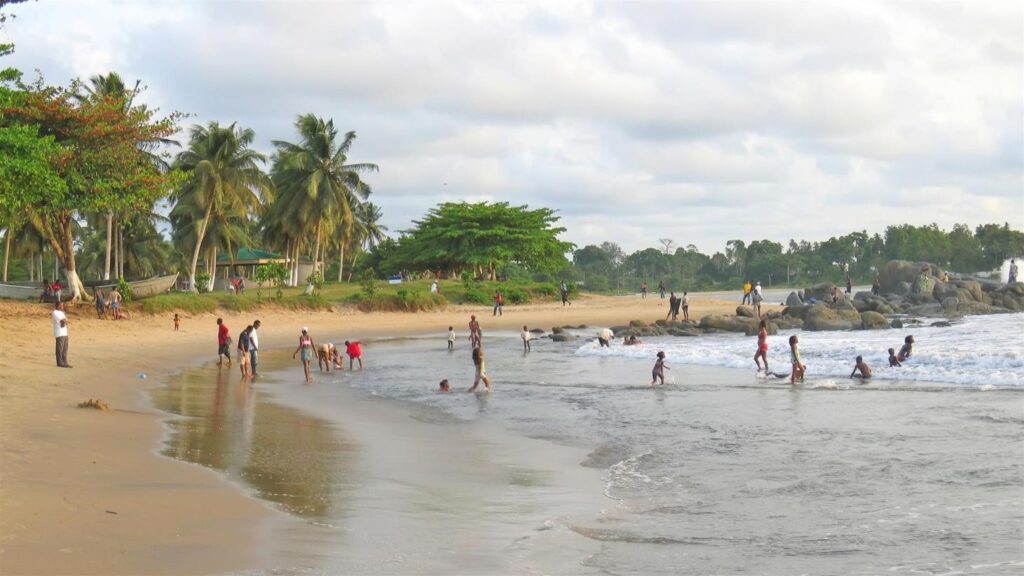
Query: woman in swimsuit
[[794, 355], [762, 347], [306, 347]]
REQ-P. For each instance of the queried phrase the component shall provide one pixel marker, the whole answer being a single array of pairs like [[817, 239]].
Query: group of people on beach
[[110, 303], [676, 304]]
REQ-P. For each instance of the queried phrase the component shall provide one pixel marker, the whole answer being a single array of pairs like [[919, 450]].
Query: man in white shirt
[[60, 332], [254, 346]]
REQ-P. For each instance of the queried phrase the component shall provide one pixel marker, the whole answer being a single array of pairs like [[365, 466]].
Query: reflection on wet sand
[[286, 456]]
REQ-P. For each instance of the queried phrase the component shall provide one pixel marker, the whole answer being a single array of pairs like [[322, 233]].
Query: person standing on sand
[[243, 351], [60, 334], [643, 290], [762, 347], [661, 289], [685, 303], [223, 343], [254, 347], [499, 301], [177, 322], [306, 347], [101, 305], [355, 352], [475, 336], [564, 290], [672, 306], [481, 370], [525, 335], [115, 303]]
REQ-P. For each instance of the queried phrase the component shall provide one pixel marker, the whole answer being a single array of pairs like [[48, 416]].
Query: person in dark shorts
[[223, 343]]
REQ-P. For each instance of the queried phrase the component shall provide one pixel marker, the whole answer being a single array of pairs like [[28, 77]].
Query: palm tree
[[367, 232], [224, 178], [317, 190]]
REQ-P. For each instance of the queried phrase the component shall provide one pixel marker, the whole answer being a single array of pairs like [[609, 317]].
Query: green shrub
[[402, 301], [476, 296], [544, 289], [514, 295], [202, 281]]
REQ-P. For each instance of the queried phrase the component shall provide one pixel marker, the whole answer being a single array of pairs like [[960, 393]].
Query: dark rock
[[685, 332], [820, 317], [557, 330], [537, 331], [793, 299], [637, 323], [870, 320], [902, 288], [771, 327], [568, 327], [897, 323], [726, 323], [820, 292], [789, 323], [979, 308], [796, 311], [661, 322], [897, 272], [582, 327], [1008, 296], [941, 324], [563, 337], [843, 304], [950, 303], [921, 298], [744, 312], [772, 314]]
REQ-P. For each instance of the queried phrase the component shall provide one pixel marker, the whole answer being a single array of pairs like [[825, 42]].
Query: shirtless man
[[475, 337], [863, 368]]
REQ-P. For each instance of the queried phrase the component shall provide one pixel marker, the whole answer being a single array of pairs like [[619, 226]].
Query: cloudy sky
[[695, 121]]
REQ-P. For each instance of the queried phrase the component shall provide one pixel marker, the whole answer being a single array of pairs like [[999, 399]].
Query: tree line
[[857, 254]]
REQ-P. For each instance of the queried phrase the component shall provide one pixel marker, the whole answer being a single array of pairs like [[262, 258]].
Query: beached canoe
[[140, 288]]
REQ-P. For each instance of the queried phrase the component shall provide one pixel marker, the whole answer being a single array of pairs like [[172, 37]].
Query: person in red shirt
[[355, 352], [223, 343]]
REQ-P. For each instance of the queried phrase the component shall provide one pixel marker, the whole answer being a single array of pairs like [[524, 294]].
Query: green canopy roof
[[248, 255]]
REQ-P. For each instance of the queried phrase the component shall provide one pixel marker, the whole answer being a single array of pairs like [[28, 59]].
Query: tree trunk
[[110, 232], [341, 260], [316, 250], [64, 250], [120, 250], [7, 250], [199, 245]]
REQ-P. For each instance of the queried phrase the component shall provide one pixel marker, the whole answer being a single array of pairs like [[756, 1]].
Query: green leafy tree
[[482, 238]]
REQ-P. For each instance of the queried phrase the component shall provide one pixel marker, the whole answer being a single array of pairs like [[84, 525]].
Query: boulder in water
[[563, 337], [896, 272], [941, 324], [820, 317], [726, 323], [870, 320], [897, 323], [744, 312]]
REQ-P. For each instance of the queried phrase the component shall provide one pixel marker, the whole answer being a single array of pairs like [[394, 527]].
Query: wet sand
[[85, 492]]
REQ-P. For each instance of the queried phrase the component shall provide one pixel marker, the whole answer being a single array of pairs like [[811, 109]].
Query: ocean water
[[718, 472]]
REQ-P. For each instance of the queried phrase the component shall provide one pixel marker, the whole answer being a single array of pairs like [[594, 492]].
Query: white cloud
[[701, 121]]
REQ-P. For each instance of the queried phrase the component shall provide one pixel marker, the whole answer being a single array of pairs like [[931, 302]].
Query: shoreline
[[65, 467]]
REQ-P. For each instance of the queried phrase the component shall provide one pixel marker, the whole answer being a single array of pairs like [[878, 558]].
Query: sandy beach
[[85, 492]]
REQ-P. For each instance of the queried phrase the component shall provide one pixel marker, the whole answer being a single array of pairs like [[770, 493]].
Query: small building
[[244, 264]]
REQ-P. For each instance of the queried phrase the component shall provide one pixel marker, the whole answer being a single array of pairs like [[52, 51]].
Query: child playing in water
[[862, 366], [762, 346], [525, 335], [444, 387], [658, 372], [907, 349], [794, 355], [893, 361], [451, 338]]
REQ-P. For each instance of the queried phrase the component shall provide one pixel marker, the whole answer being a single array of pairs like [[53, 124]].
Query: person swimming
[[893, 361], [444, 386], [907, 349]]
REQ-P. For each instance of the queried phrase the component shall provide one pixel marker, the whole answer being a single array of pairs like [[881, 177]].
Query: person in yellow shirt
[[746, 292]]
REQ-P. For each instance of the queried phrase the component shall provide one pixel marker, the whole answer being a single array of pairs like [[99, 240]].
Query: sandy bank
[[83, 492]]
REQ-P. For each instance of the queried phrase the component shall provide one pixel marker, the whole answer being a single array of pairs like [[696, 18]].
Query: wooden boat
[[140, 288]]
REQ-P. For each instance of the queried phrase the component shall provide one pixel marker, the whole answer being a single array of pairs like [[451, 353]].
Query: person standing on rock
[[1013, 272], [60, 334], [684, 302], [643, 290], [755, 299], [673, 307], [746, 292], [849, 285], [762, 347], [661, 289]]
